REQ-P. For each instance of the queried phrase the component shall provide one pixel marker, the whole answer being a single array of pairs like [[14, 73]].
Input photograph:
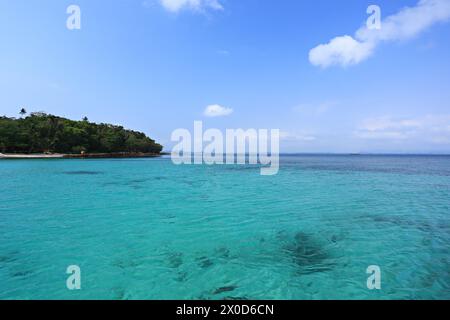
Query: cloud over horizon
[[431, 128], [295, 136], [406, 24]]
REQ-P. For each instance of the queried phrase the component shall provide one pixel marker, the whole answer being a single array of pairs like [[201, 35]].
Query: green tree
[[41, 132]]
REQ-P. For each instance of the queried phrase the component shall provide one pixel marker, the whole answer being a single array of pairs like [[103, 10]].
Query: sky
[[310, 68]]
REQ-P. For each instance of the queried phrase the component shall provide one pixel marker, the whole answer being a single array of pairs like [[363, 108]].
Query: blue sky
[[156, 65]]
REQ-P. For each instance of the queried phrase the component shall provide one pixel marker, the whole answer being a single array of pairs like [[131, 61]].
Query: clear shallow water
[[147, 229]]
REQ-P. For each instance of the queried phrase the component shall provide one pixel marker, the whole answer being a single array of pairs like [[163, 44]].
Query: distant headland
[[41, 135]]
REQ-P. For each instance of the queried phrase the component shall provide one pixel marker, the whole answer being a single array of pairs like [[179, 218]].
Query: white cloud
[[340, 51], [387, 123], [216, 110], [287, 136], [406, 24], [198, 5], [430, 128]]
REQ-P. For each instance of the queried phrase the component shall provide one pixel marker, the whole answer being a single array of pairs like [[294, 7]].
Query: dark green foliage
[[40, 133]]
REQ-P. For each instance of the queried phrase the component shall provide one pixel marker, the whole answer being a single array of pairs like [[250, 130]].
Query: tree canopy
[[40, 132]]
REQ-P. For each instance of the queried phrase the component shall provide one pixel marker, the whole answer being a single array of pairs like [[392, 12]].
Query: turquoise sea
[[148, 229]]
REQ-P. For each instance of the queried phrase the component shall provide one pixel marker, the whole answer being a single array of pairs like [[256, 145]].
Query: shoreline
[[79, 156]]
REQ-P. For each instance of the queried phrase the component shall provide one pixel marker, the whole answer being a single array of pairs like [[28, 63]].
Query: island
[[41, 135]]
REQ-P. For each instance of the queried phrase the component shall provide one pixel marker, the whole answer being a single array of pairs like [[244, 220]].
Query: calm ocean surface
[[147, 229]]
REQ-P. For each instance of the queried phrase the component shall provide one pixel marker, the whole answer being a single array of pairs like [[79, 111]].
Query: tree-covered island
[[44, 133]]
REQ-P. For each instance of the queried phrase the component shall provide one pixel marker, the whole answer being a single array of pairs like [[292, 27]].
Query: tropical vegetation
[[44, 133]]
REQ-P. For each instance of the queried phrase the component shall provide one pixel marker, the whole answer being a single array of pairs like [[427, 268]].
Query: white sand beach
[[30, 156]]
